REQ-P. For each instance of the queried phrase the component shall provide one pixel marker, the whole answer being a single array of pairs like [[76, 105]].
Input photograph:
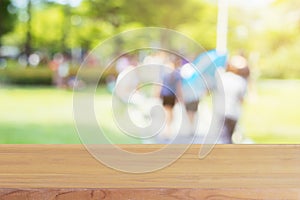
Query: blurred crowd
[[176, 81]]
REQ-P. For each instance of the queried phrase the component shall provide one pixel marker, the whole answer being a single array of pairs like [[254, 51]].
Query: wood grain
[[228, 172], [137, 194]]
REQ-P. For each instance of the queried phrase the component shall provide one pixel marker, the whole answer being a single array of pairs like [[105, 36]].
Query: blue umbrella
[[201, 74], [207, 63]]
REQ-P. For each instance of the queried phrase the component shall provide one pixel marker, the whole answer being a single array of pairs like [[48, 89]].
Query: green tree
[[7, 17], [27, 46], [195, 18]]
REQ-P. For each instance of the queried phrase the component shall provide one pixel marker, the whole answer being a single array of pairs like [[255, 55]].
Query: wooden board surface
[[138, 194], [227, 170]]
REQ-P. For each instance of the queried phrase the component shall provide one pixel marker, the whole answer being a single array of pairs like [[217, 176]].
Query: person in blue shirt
[[171, 92]]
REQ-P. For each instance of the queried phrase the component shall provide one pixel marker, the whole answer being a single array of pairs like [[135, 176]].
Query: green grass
[[45, 115], [34, 115], [272, 115]]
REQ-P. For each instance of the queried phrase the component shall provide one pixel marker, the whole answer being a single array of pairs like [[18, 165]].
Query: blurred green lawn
[[32, 115], [45, 116], [272, 115]]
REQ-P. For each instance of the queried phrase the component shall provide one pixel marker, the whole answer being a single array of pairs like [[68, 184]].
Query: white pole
[[222, 26]]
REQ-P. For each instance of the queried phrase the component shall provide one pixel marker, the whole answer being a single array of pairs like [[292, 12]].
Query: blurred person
[[56, 65], [170, 92], [122, 63], [158, 57], [132, 106], [61, 69], [193, 90], [234, 81], [127, 80], [110, 83], [122, 66], [155, 62], [75, 83]]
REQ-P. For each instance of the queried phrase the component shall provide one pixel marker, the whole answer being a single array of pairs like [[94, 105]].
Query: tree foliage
[[270, 36], [7, 17]]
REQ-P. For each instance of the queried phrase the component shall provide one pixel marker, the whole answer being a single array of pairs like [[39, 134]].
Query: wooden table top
[[249, 168]]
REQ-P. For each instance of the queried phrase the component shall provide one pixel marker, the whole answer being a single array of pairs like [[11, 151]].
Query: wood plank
[[227, 170], [137, 194]]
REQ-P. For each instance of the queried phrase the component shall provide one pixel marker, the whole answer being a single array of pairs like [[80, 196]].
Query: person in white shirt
[[234, 82]]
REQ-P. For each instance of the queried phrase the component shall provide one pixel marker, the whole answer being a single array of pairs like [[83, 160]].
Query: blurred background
[[43, 43]]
